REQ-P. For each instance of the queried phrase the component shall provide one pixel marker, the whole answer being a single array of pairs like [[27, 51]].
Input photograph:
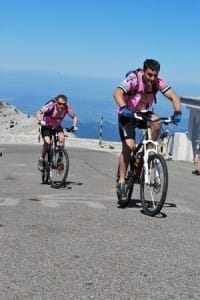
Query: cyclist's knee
[[47, 143], [61, 138], [128, 146], [61, 142], [156, 125], [47, 140]]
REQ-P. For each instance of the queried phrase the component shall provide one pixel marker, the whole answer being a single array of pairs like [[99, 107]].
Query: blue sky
[[83, 49], [101, 38]]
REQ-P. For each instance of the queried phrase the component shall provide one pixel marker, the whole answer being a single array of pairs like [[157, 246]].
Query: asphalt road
[[75, 243]]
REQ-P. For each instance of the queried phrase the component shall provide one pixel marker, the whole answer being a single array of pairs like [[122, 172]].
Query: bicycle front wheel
[[153, 193], [60, 168]]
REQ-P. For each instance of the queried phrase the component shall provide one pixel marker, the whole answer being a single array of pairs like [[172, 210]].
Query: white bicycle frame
[[154, 147], [146, 154]]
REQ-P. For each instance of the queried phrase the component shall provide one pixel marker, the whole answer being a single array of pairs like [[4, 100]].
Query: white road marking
[[57, 200], [75, 196], [58, 203], [8, 201], [50, 203]]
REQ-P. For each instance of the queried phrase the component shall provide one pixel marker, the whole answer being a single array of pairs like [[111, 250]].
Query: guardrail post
[[100, 132]]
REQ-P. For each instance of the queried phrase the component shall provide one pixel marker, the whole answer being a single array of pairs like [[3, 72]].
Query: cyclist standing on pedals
[[50, 116], [136, 93]]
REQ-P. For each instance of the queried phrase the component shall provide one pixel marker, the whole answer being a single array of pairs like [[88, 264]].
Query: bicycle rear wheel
[[153, 195], [60, 168]]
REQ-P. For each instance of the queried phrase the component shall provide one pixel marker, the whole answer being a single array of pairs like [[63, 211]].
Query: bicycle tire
[[154, 194], [59, 170]]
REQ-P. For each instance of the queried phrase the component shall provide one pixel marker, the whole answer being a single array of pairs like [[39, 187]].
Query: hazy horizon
[[91, 98]]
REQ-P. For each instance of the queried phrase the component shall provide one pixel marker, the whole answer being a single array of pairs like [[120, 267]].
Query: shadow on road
[[136, 203]]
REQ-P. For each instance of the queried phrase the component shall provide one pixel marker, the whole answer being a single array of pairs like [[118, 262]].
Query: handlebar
[[142, 117], [71, 129]]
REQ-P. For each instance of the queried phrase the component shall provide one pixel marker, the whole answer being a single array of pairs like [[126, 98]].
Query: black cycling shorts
[[127, 126], [49, 131]]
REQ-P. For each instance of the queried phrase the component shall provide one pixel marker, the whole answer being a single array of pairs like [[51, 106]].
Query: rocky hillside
[[15, 126]]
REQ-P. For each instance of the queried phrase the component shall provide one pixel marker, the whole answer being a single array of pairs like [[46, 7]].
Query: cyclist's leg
[[127, 135], [46, 135], [198, 162], [155, 127], [197, 170], [46, 145], [127, 147], [61, 136]]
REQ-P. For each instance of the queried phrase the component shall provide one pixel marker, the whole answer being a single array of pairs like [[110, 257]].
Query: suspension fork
[[154, 148]]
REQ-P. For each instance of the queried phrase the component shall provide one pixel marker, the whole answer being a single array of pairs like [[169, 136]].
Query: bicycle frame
[[146, 140], [147, 168], [53, 147], [56, 163], [147, 150]]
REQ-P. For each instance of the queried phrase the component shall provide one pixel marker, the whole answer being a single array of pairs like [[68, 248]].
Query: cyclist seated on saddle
[[136, 93], [50, 116]]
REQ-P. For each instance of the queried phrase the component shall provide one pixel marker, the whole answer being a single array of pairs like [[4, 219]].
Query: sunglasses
[[61, 103]]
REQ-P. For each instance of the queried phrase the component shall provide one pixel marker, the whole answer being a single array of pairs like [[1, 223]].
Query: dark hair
[[153, 64], [61, 96]]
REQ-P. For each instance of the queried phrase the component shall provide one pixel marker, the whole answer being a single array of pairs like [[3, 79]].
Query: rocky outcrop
[[16, 126]]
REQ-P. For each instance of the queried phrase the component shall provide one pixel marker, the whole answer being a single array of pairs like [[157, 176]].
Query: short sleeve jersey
[[52, 116], [133, 97]]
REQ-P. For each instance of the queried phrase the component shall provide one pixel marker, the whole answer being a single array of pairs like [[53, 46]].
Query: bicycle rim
[[153, 195], [60, 168]]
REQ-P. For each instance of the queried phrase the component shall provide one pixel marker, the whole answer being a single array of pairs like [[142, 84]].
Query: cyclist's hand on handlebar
[[74, 129], [176, 117], [42, 123], [125, 111]]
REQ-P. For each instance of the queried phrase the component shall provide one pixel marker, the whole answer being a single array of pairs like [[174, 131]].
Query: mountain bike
[[56, 163], [148, 169]]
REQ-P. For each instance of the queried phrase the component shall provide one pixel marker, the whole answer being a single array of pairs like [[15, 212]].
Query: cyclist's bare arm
[[39, 115], [171, 95], [75, 121], [119, 97]]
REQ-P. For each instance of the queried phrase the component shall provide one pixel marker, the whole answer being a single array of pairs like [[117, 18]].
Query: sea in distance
[[90, 98]]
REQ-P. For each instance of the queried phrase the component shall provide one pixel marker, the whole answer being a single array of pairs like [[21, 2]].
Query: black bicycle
[[149, 169], [56, 163]]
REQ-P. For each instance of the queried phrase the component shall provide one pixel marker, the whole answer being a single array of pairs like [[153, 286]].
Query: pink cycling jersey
[[52, 116], [134, 100]]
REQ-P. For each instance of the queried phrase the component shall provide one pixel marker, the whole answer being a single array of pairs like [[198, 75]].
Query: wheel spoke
[[153, 195], [60, 168]]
